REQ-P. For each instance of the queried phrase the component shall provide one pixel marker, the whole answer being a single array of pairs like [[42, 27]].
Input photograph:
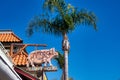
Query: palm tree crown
[[66, 19]]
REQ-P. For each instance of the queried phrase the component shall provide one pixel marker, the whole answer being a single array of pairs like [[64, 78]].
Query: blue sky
[[93, 56]]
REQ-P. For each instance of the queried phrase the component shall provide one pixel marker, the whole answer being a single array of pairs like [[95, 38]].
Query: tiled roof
[[8, 36], [20, 59]]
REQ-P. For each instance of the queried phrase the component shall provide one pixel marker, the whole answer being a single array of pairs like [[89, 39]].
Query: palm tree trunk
[[65, 47], [66, 65]]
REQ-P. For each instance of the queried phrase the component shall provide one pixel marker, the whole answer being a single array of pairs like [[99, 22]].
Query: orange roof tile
[[20, 59], [8, 36]]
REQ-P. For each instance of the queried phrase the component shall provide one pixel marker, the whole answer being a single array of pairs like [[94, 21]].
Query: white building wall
[[7, 71]]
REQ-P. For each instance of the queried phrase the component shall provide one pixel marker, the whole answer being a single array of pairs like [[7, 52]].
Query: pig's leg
[[50, 63], [28, 62], [45, 64], [31, 62]]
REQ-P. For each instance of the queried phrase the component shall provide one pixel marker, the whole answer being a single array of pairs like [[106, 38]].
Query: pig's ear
[[53, 49]]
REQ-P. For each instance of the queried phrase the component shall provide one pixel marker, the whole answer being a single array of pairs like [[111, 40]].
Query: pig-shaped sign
[[41, 56]]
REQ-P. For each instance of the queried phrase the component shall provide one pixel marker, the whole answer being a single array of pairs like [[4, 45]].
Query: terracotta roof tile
[[20, 59], [9, 36]]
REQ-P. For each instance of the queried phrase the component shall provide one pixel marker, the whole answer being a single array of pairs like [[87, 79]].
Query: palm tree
[[63, 22]]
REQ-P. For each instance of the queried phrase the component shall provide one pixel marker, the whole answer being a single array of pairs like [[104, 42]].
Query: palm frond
[[54, 5], [60, 60], [84, 17], [43, 24]]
